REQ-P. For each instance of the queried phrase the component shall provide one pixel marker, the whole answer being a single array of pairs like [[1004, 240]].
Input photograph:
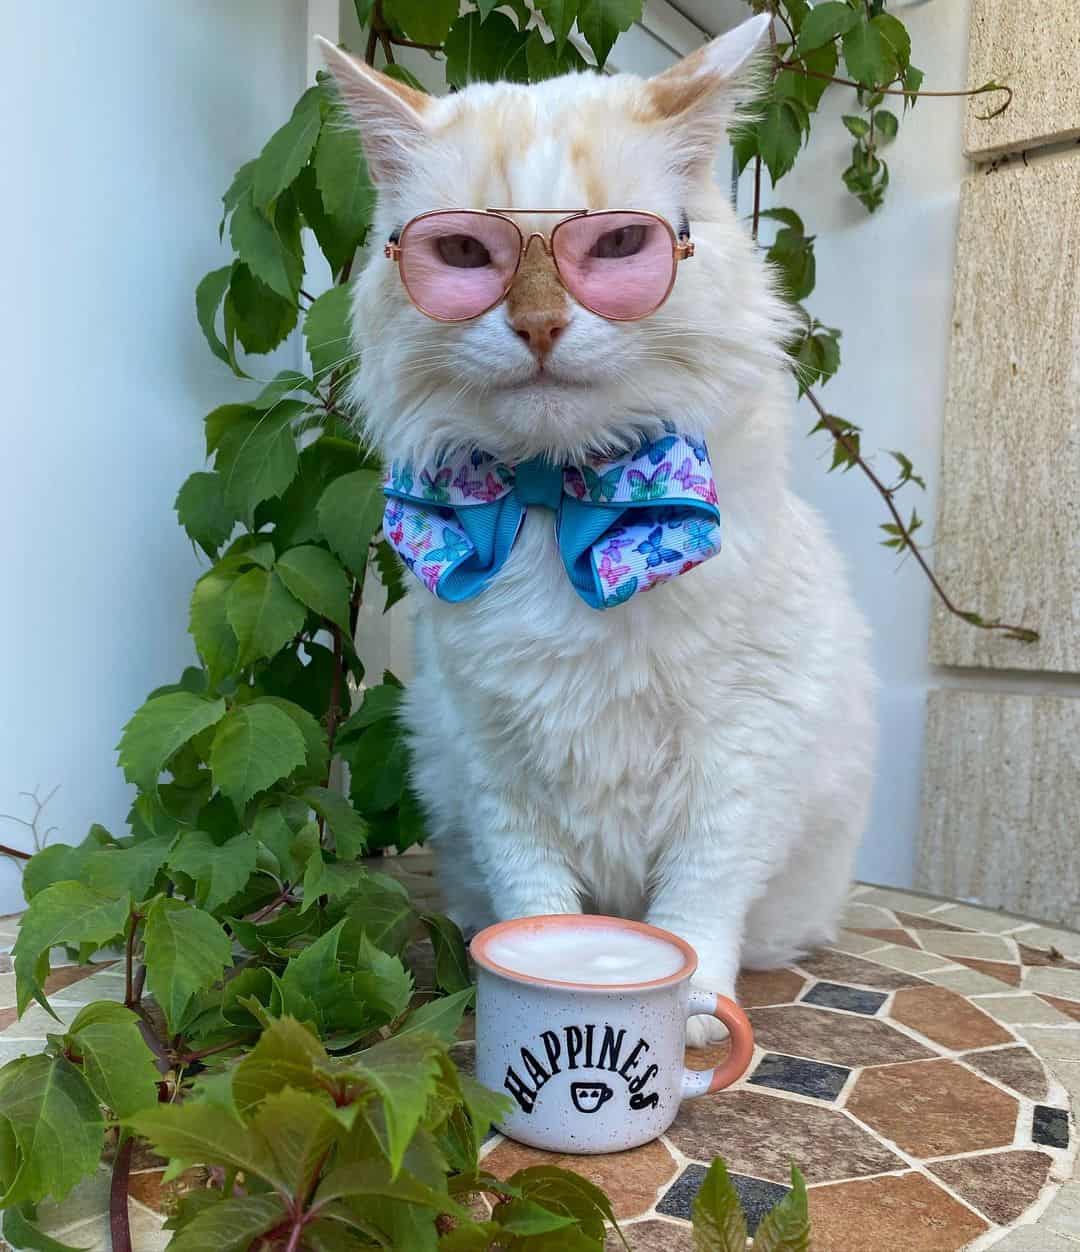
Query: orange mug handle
[[698, 1082]]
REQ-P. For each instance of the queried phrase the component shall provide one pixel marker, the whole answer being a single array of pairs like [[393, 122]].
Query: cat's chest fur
[[582, 717]]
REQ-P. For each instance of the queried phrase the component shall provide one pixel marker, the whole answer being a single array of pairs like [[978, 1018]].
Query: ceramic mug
[[594, 1067]]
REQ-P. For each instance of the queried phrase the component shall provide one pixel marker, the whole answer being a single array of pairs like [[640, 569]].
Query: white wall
[[886, 281], [123, 125]]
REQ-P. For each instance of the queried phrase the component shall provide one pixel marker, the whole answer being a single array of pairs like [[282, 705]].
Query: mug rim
[[478, 948]]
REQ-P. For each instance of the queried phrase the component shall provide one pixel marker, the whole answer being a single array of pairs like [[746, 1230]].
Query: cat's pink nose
[[539, 330]]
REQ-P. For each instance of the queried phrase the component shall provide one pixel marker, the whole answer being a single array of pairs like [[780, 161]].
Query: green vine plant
[[282, 1035]]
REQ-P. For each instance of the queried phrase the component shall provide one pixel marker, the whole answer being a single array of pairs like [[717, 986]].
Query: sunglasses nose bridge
[[545, 243]]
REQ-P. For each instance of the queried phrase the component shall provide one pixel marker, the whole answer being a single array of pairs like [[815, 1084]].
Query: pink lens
[[619, 265], [456, 265]]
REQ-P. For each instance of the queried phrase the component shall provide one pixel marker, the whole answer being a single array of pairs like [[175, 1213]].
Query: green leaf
[[204, 1133], [603, 21], [380, 766], [779, 137], [209, 623], [255, 746], [403, 1071], [158, 729], [316, 579], [238, 188], [483, 1106], [869, 52], [562, 1192], [451, 959], [886, 124], [256, 314], [264, 252], [524, 1218], [560, 15], [257, 458], [327, 330], [858, 126], [272, 831], [896, 37], [787, 1227], [65, 913], [545, 60], [201, 510], [219, 420], [208, 297], [186, 951], [342, 177], [20, 1233], [286, 1055], [116, 1062], [427, 21], [299, 1130], [913, 80], [479, 51], [823, 23], [287, 150], [381, 985], [441, 1017], [719, 1224], [128, 871], [60, 862], [348, 827], [220, 871], [373, 1178], [314, 733], [380, 704], [232, 1225], [380, 911], [350, 512], [55, 1123], [391, 573], [262, 614], [284, 384]]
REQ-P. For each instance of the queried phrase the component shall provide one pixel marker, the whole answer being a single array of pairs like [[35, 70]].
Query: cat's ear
[[388, 114], [698, 96]]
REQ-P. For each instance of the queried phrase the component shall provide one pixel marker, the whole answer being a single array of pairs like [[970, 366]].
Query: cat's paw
[[703, 1030]]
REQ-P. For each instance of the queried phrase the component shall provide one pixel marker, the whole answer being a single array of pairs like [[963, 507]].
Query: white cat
[[701, 756]]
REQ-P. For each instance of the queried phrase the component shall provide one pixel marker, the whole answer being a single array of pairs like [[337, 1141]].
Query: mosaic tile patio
[[922, 1072]]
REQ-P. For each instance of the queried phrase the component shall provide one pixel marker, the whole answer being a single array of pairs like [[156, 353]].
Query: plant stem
[[129, 962], [140, 982], [757, 196], [836, 429], [15, 852], [266, 910], [333, 712], [188, 1057], [119, 1230], [799, 68]]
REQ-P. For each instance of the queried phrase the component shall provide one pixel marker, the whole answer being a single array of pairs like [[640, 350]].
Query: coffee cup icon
[[587, 1097]]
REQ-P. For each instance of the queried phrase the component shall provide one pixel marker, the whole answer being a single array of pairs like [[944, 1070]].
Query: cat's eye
[[463, 252], [623, 242]]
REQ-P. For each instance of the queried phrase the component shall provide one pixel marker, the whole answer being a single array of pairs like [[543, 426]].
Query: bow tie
[[622, 525]]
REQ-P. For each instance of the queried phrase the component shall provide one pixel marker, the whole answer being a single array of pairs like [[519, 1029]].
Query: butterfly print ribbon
[[623, 525]]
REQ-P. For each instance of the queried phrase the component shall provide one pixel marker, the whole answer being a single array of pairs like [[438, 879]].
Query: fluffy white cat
[[701, 756]]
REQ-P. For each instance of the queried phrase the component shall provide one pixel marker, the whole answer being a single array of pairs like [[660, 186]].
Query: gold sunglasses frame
[[681, 249]]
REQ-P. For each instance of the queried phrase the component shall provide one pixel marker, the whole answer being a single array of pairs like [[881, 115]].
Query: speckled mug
[[594, 1067]]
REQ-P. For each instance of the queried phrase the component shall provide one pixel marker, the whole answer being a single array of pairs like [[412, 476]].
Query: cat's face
[[539, 373]]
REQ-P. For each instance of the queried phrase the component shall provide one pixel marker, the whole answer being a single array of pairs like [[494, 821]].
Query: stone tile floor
[[921, 1071]]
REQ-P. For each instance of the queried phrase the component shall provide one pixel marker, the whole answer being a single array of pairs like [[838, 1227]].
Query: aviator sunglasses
[[457, 264]]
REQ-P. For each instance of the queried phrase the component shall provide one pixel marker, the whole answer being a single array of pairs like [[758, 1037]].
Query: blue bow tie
[[623, 525]]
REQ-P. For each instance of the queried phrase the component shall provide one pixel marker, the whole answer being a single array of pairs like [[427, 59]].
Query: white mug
[[593, 1066]]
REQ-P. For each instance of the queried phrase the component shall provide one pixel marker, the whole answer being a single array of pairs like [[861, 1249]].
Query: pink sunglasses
[[457, 264]]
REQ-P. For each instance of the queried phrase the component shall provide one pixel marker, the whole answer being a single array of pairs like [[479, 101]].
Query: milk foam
[[609, 956]]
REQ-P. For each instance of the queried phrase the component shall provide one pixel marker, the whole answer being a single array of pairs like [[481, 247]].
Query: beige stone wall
[[1001, 802], [1009, 526], [1001, 795], [1034, 46]]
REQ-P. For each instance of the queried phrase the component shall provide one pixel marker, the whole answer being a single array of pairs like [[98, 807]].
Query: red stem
[[188, 1057], [119, 1230], [15, 852]]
